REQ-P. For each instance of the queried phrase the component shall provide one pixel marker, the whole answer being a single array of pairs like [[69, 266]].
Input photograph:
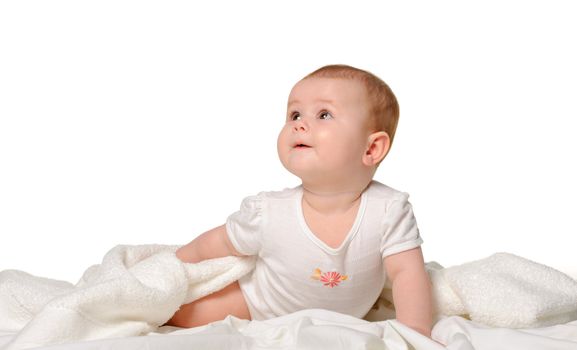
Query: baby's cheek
[[282, 142]]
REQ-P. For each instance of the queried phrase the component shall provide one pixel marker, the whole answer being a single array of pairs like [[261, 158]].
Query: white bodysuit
[[295, 270]]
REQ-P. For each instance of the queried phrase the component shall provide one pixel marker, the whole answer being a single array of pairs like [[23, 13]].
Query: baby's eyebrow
[[292, 102], [330, 102]]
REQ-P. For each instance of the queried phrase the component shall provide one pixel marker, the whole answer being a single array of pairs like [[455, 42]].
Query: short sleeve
[[244, 227], [400, 228]]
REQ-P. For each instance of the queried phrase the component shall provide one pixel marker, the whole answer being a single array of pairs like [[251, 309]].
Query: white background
[[149, 121]]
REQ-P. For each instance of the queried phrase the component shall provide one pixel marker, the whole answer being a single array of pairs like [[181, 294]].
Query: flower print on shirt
[[329, 279]]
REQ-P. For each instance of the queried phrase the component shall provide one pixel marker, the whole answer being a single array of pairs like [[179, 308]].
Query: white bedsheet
[[322, 329], [500, 291]]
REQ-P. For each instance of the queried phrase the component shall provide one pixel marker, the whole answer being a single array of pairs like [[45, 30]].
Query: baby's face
[[326, 131]]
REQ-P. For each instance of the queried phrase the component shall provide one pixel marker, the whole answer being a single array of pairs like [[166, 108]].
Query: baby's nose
[[300, 125]]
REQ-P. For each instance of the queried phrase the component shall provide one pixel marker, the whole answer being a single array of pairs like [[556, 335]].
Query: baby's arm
[[411, 289], [209, 245], [216, 306]]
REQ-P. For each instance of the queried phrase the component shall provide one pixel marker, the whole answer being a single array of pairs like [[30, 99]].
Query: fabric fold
[[502, 290], [135, 290]]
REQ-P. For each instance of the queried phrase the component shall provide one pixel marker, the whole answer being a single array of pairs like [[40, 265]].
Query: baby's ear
[[377, 148]]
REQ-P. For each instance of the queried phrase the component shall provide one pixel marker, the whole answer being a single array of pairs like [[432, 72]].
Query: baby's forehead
[[333, 90], [327, 81]]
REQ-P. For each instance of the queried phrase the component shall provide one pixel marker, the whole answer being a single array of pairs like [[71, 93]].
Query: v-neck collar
[[320, 243]]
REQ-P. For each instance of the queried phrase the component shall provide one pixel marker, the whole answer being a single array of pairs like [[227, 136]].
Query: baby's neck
[[330, 203]]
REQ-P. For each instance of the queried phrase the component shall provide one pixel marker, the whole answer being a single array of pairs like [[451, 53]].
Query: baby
[[332, 241]]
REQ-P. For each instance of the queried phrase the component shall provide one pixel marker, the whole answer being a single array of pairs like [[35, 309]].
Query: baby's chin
[[308, 175], [308, 169], [298, 170]]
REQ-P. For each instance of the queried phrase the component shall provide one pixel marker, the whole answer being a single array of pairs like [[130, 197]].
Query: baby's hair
[[384, 110]]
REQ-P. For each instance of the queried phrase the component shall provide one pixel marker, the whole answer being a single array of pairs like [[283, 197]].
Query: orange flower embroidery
[[329, 279]]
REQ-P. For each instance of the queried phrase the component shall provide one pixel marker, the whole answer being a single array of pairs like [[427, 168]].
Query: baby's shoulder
[[382, 192], [281, 194], [286, 193]]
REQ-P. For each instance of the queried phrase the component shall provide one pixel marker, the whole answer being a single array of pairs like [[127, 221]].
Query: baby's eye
[[295, 116], [325, 115]]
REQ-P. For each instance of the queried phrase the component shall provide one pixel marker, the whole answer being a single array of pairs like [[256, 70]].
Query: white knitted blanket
[[502, 290], [135, 290]]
